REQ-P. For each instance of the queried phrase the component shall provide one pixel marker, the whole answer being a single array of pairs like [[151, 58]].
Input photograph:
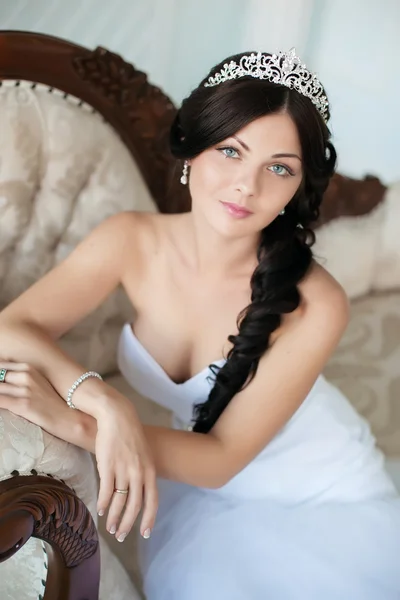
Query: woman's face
[[241, 184]]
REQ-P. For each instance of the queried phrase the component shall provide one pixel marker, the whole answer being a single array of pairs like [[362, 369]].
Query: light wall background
[[353, 46]]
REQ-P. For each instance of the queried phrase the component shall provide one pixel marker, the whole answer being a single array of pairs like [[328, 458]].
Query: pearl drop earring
[[184, 178], [282, 211]]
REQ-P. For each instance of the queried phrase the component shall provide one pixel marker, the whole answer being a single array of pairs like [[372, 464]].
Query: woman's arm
[[31, 325], [285, 376], [179, 455], [29, 328]]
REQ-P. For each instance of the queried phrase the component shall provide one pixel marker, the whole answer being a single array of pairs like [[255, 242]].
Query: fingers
[[118, 503], [132, 508], [139, 489], [106, 488], [150, 504], [18, 406], [6, 402], [13, 366], [16, 383], [16, 387]]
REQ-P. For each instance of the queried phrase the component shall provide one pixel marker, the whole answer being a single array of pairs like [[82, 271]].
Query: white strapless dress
[[313, 517]]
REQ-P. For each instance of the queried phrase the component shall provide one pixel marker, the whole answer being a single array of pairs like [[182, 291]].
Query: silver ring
[[3, 373], [117, 491]]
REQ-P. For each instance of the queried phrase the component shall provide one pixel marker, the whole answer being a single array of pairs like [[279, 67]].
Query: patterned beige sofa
[[63, 169], [363, 253]]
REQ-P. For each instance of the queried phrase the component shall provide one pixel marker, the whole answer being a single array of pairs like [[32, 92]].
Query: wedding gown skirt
[[313, 517]]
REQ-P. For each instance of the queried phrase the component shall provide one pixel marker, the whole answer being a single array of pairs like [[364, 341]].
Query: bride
[[269, 484]]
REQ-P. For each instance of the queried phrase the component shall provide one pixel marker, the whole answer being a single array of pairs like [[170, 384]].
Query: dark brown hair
[[207, 117]]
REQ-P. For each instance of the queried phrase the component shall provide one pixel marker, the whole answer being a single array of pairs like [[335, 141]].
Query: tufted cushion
[[62, 171]]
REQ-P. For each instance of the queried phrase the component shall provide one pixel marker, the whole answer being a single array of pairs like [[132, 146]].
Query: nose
[[247, 182]]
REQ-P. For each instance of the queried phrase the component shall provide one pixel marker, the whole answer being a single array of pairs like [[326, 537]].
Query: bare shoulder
[[87, 276], [121, 225], [146, 224], [142, 231], [146, 236], [322, 294], [324, 306], [324, 309]]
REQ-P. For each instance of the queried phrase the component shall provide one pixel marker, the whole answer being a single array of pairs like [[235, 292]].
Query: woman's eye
[[281, 170], [229, 152]]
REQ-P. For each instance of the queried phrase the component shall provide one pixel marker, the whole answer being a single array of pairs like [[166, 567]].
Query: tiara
[[284, 68]]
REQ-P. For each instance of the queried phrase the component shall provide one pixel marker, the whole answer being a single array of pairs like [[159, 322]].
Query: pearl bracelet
[[77, 383]]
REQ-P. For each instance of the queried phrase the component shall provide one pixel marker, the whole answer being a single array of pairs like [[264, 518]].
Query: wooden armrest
[[47, 509]]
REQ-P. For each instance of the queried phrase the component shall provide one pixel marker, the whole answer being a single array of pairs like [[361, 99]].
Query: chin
[[230, 227]]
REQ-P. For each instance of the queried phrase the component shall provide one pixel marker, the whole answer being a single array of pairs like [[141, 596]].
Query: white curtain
[[272, 26]]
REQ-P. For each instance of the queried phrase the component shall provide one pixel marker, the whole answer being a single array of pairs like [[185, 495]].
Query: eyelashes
[[234, 153], [224, 149], [287, 174]]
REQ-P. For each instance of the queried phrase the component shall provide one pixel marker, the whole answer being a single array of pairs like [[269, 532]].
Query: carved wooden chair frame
[[34, 505], [139, 111], [47, 509]]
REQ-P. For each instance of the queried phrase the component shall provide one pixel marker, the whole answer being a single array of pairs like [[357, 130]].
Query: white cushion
[[363, 253], [347, 248]]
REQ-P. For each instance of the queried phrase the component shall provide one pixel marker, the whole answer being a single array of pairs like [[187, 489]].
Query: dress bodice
[[324, 441], [150, 380]]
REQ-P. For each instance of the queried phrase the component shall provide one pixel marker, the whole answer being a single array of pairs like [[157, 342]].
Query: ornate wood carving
[[149, 110], [140, 112], [115, 78], [44, 508]]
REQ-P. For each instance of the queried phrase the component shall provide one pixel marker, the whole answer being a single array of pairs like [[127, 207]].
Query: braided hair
[[208, 116]]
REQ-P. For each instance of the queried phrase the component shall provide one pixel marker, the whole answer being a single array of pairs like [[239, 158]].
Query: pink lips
[[239, 212]]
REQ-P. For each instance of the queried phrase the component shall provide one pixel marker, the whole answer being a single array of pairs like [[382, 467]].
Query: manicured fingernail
[[100, 513], [146, 534], [113, 529], [121, 537]]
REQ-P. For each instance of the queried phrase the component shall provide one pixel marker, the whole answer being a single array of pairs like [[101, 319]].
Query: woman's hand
[[124, 463], [123, 457], [27, 393]]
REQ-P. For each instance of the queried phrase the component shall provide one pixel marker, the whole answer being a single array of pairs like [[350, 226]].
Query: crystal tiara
[[284, 68]]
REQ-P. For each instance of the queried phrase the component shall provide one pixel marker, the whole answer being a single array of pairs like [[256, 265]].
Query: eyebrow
[[280, 155]]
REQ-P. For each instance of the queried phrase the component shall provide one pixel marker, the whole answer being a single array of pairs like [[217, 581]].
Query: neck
[[215, 255]]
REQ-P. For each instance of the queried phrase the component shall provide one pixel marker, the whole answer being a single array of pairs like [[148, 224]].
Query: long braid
[[284, 256], [208, 116]]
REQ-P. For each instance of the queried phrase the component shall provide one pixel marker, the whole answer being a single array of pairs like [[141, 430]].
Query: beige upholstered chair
[[83, 135]]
